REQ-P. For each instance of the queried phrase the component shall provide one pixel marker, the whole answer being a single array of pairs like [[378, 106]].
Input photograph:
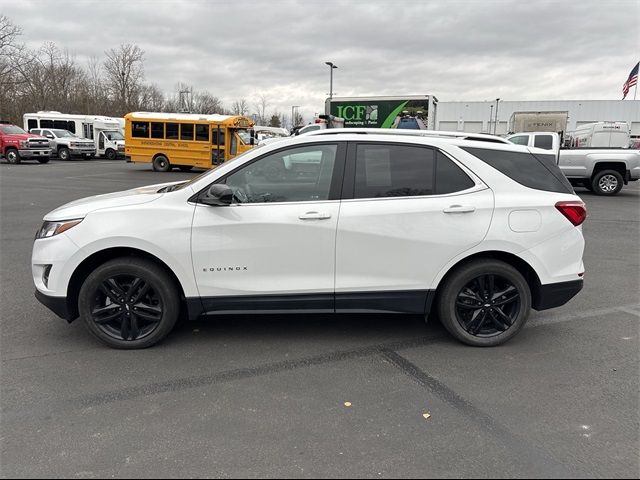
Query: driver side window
[[299, 174]]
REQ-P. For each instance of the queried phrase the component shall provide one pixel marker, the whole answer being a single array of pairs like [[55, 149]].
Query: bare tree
[[9, 58], [150, 99], [206, 103], [240, 107], [260, 104], [124, 69], [298, 119]]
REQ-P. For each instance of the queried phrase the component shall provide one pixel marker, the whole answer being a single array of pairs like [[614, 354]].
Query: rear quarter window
[[534, 171]]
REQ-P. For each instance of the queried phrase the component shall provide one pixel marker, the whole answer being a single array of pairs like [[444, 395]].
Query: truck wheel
[[63, 154], [110, 154], [607, 182], [161, 164], [12, 156], [44, 160]]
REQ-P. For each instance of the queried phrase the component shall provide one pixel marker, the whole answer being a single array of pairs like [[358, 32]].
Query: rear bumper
[[57, 305], [554, 295]]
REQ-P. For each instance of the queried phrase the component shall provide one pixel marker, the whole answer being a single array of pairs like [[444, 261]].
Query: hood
[[82, 207], [15, 137]]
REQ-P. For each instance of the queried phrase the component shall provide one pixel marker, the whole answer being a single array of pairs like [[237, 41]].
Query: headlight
[[24, 143], [49, 229]]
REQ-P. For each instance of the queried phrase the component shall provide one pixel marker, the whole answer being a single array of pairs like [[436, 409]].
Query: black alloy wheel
[[126, 307], [484, 302], [129, 302], [488, 305]]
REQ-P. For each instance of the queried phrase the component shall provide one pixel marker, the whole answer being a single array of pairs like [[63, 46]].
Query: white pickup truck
[[598, 156]]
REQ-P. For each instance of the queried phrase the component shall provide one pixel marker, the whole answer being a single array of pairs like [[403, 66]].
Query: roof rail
[[480, 137]]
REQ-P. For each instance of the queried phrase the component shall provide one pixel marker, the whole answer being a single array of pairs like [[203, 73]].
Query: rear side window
[[533, 171], [543, 141], [520, 140], [393, 171], [449, 177]]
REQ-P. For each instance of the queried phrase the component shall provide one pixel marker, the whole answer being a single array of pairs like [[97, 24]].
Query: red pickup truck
[[17, 145]]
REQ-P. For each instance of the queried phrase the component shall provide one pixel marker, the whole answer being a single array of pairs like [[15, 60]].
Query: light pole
[[495, 125], [490, 120], [293, 119], [331, 67]]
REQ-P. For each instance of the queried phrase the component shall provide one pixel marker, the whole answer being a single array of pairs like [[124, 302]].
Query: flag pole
[[636, 90]]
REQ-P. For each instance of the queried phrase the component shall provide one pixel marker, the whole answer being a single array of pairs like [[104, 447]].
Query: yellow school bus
[[184, 140]]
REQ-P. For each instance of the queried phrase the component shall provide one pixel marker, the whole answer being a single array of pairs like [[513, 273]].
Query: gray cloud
[[457, 50]]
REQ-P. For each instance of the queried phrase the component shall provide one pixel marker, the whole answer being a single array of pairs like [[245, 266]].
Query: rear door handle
[[459, 209], [315, 216]]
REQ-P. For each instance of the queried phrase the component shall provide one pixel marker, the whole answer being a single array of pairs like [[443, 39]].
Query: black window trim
[[335, 188], [349, 182]]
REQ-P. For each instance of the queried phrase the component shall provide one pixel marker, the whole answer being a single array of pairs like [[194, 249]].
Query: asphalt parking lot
[[264, 396]]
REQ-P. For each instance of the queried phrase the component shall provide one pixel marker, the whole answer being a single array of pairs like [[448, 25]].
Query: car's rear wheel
[[484, 303], [129, 303], [607, 182], [161, 164]]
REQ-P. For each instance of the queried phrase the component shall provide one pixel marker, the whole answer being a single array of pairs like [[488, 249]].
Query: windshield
[[114, 135], [11, 129], [244, 135], [64, 134]]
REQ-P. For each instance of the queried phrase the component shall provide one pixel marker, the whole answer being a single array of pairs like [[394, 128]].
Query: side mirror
[[218, 195]]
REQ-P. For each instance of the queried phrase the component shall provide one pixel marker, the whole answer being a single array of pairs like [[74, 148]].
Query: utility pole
[[495, 125], [293, 118]]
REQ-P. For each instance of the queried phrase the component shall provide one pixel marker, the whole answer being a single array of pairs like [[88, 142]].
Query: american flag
[[631, 81]]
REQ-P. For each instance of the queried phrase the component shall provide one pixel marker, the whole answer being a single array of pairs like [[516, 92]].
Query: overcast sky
[[456, 50]]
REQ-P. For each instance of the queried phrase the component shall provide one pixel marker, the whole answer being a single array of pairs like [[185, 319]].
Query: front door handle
[[315, 216], [459, 209]]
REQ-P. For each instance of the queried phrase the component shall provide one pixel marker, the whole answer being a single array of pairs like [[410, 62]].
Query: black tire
[[161, 164], [44, 160], [185, 168], [64, 154], [607, 182], [129, 303], [13, 156], [110, 154], [483, 319]]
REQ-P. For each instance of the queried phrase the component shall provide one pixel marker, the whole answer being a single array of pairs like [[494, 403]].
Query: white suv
[[475, 231]]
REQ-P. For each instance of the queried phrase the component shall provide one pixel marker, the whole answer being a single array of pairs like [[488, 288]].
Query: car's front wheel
[[484, 303], [129, 303]]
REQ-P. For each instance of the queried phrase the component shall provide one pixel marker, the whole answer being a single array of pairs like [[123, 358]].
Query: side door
[[273, 248], [407, 210]]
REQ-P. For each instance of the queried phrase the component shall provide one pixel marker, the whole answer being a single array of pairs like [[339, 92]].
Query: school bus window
[[202, 132], [172, 131], [157, 130], [140, 129], [186, 131], [214, 136]]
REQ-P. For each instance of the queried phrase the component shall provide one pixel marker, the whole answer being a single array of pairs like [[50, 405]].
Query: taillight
[[575, 211]]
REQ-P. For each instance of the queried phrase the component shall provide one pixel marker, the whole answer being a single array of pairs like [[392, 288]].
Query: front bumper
[[57, 305], [29, 153], [82, 151], [554, 295]]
